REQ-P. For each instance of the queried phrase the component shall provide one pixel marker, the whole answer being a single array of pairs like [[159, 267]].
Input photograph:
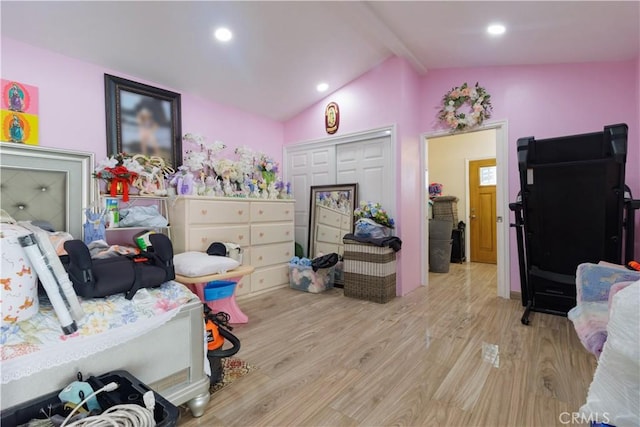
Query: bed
[[163, 347]]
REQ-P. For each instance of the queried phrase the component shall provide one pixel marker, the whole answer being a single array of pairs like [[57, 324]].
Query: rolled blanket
[[590, 322]]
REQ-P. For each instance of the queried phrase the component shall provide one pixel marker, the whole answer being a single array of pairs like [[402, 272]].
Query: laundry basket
[[369, 272]]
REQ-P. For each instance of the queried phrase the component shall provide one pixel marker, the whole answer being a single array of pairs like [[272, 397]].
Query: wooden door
[[482, 210]]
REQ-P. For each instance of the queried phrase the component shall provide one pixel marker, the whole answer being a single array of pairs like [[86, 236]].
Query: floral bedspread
[[39, 343]]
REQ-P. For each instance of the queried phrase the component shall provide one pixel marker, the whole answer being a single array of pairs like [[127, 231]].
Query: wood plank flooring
[[452, 354]]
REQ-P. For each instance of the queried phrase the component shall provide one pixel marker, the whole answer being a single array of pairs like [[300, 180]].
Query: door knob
[[473, 217]]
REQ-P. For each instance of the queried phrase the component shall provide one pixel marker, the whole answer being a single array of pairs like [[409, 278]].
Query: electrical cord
[[119, 415]]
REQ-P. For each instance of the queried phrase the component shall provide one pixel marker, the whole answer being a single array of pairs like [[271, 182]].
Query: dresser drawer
[[271, 233], [217, 212], [266, 255], [347, 222], [201, 238], [327, 234], [328, 217], [270, 277], [271, 211]]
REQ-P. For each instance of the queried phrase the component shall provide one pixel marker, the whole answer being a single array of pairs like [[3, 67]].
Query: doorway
[[482, 211], [501, 223]]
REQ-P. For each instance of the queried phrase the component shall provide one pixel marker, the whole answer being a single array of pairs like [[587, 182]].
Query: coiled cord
[[126, 415]]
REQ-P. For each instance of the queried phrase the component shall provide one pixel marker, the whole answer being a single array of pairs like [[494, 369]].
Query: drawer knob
[[260, 258], [203, 239], [240, 212], [286, 212], [287, 233], [261, 280], [260, 212], [240, 237], [204, 211], [287, 253], [261, 234]]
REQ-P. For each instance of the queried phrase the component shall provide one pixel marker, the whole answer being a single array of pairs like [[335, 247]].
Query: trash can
[[440, 243], [440, 255]]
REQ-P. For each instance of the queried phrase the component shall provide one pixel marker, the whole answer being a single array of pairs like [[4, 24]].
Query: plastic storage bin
[[303, 278], [218, 289], [131, 390]]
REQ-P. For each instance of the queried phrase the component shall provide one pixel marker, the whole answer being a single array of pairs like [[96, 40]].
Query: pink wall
[[547, 101], [543, 101], [72, 110], [386, 95]]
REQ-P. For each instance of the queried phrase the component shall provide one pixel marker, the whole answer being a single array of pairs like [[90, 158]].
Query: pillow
[[194, 264]]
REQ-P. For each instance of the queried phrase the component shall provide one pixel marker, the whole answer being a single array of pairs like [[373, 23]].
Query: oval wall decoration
[[332, 118]]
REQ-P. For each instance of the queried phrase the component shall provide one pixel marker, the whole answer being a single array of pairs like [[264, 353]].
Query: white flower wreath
[[476, 97]]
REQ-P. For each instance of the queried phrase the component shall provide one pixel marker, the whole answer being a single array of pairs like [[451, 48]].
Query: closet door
[[369, 163], [307, 167]]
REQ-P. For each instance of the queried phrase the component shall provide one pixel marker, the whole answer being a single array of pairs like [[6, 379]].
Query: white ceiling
[[281, 50]]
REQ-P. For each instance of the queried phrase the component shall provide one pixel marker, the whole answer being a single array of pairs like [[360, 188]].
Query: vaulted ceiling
[[281, 50]]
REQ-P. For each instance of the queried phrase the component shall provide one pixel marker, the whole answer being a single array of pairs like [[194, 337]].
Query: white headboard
[[46, 184]]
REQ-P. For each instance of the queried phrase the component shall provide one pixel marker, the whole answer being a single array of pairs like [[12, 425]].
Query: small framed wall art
[[332, 118]]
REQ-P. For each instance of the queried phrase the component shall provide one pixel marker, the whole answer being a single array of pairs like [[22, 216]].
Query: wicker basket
[[446, 208], [369, 272]]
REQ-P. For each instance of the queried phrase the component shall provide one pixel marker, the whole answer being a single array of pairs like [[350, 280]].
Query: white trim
[[502, 202]]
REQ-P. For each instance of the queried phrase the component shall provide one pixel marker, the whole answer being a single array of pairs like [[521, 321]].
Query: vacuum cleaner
[[218, 329]]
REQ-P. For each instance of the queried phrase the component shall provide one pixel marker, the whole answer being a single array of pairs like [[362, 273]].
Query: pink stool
[[229, 304]]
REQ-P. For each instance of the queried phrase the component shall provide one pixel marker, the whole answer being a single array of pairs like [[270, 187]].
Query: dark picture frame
[[340, 198], [143, 119]]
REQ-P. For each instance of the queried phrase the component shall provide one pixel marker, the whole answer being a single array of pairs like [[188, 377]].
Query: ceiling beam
[[366, 21]]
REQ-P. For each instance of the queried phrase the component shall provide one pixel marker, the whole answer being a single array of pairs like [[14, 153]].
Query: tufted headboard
[[46, 184]]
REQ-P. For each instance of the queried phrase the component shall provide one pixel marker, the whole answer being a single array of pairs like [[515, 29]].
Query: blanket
[[596, 284], [38, 343]]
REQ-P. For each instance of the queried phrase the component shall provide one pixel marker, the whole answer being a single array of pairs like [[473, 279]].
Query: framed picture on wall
[[143, 119]]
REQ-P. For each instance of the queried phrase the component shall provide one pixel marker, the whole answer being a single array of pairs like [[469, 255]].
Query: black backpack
[[93, 278]]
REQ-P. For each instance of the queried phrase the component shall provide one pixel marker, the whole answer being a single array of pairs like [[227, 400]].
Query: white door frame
[[502, 201]]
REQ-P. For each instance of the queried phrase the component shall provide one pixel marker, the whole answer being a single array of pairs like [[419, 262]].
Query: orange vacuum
[[218, 328]]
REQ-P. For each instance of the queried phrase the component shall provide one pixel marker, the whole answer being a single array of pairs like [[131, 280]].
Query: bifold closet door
[[369, 164], [306, 168]]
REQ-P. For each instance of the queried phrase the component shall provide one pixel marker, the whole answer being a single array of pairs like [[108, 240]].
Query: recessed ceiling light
[[223, 34], [496, 29], [322, 87]]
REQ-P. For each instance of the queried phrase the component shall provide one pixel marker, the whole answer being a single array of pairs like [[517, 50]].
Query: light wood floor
[[450, 355]]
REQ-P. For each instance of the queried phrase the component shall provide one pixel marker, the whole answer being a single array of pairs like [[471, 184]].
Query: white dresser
[[263, 228], [331, 226]]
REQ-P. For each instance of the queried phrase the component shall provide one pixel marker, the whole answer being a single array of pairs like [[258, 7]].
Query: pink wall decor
[[19, 97], [19, 113]]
